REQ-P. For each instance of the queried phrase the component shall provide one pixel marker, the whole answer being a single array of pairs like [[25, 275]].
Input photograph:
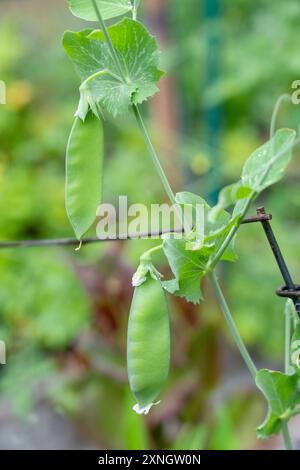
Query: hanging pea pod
[[84, 173], [148, 343]]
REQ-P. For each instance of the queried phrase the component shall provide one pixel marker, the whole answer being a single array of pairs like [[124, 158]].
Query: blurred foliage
[[26, 370], [63, 315], [50, 309], [191, 438], [224, 436]]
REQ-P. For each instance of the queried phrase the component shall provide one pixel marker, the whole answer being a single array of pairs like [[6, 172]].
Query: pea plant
[[119, 69]]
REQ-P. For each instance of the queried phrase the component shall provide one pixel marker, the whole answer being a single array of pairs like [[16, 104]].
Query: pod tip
[[145, 409]]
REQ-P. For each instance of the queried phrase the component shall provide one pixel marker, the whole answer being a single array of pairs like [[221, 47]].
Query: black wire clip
[[290, 289]]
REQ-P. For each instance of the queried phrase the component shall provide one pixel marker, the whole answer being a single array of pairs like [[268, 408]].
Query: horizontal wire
[[90, 240]]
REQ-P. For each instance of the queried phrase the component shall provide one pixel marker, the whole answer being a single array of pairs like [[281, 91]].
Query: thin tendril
[[279, 102]]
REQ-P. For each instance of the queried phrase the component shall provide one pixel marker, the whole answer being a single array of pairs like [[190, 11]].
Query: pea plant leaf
[[109, 8], [84, 173], [189, 256], [229, 196], [103, 86], [211, 225], [282, 394], [267, 164], [216, 226], [188, 267], [263, 168]]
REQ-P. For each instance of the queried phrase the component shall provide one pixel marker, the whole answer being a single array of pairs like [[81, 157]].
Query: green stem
[[286, 436], [287, 343], [135, 9], [245, 354], [232, 233], [148, 254], [278, 103], [231, 324], [137, 114], [154, 156], [287, 348], [290, 414], [108, 40]]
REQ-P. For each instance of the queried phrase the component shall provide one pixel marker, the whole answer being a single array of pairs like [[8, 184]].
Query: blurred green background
[[63, 314]]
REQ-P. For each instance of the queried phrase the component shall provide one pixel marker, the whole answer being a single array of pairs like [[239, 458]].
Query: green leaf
[[186, 197], [190, 255], [188, 267], [84, 173], [220, 237], [229, 196], [194, 212], [213, 226], [267, 164], [282, 394], [239, 208], [265, 167], [217, 225], [109, 8], [102, 84]]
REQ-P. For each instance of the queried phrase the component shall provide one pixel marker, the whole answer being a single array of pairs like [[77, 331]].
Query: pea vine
[[119, 69]]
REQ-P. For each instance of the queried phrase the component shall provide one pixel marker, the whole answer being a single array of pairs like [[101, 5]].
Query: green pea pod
[[148, 344], [84, 173]]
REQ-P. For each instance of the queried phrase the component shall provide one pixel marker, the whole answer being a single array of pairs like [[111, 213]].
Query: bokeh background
[[63, 314]]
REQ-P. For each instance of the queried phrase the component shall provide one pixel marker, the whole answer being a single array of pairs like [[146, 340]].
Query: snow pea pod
[[148, 343], [84, 173]]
